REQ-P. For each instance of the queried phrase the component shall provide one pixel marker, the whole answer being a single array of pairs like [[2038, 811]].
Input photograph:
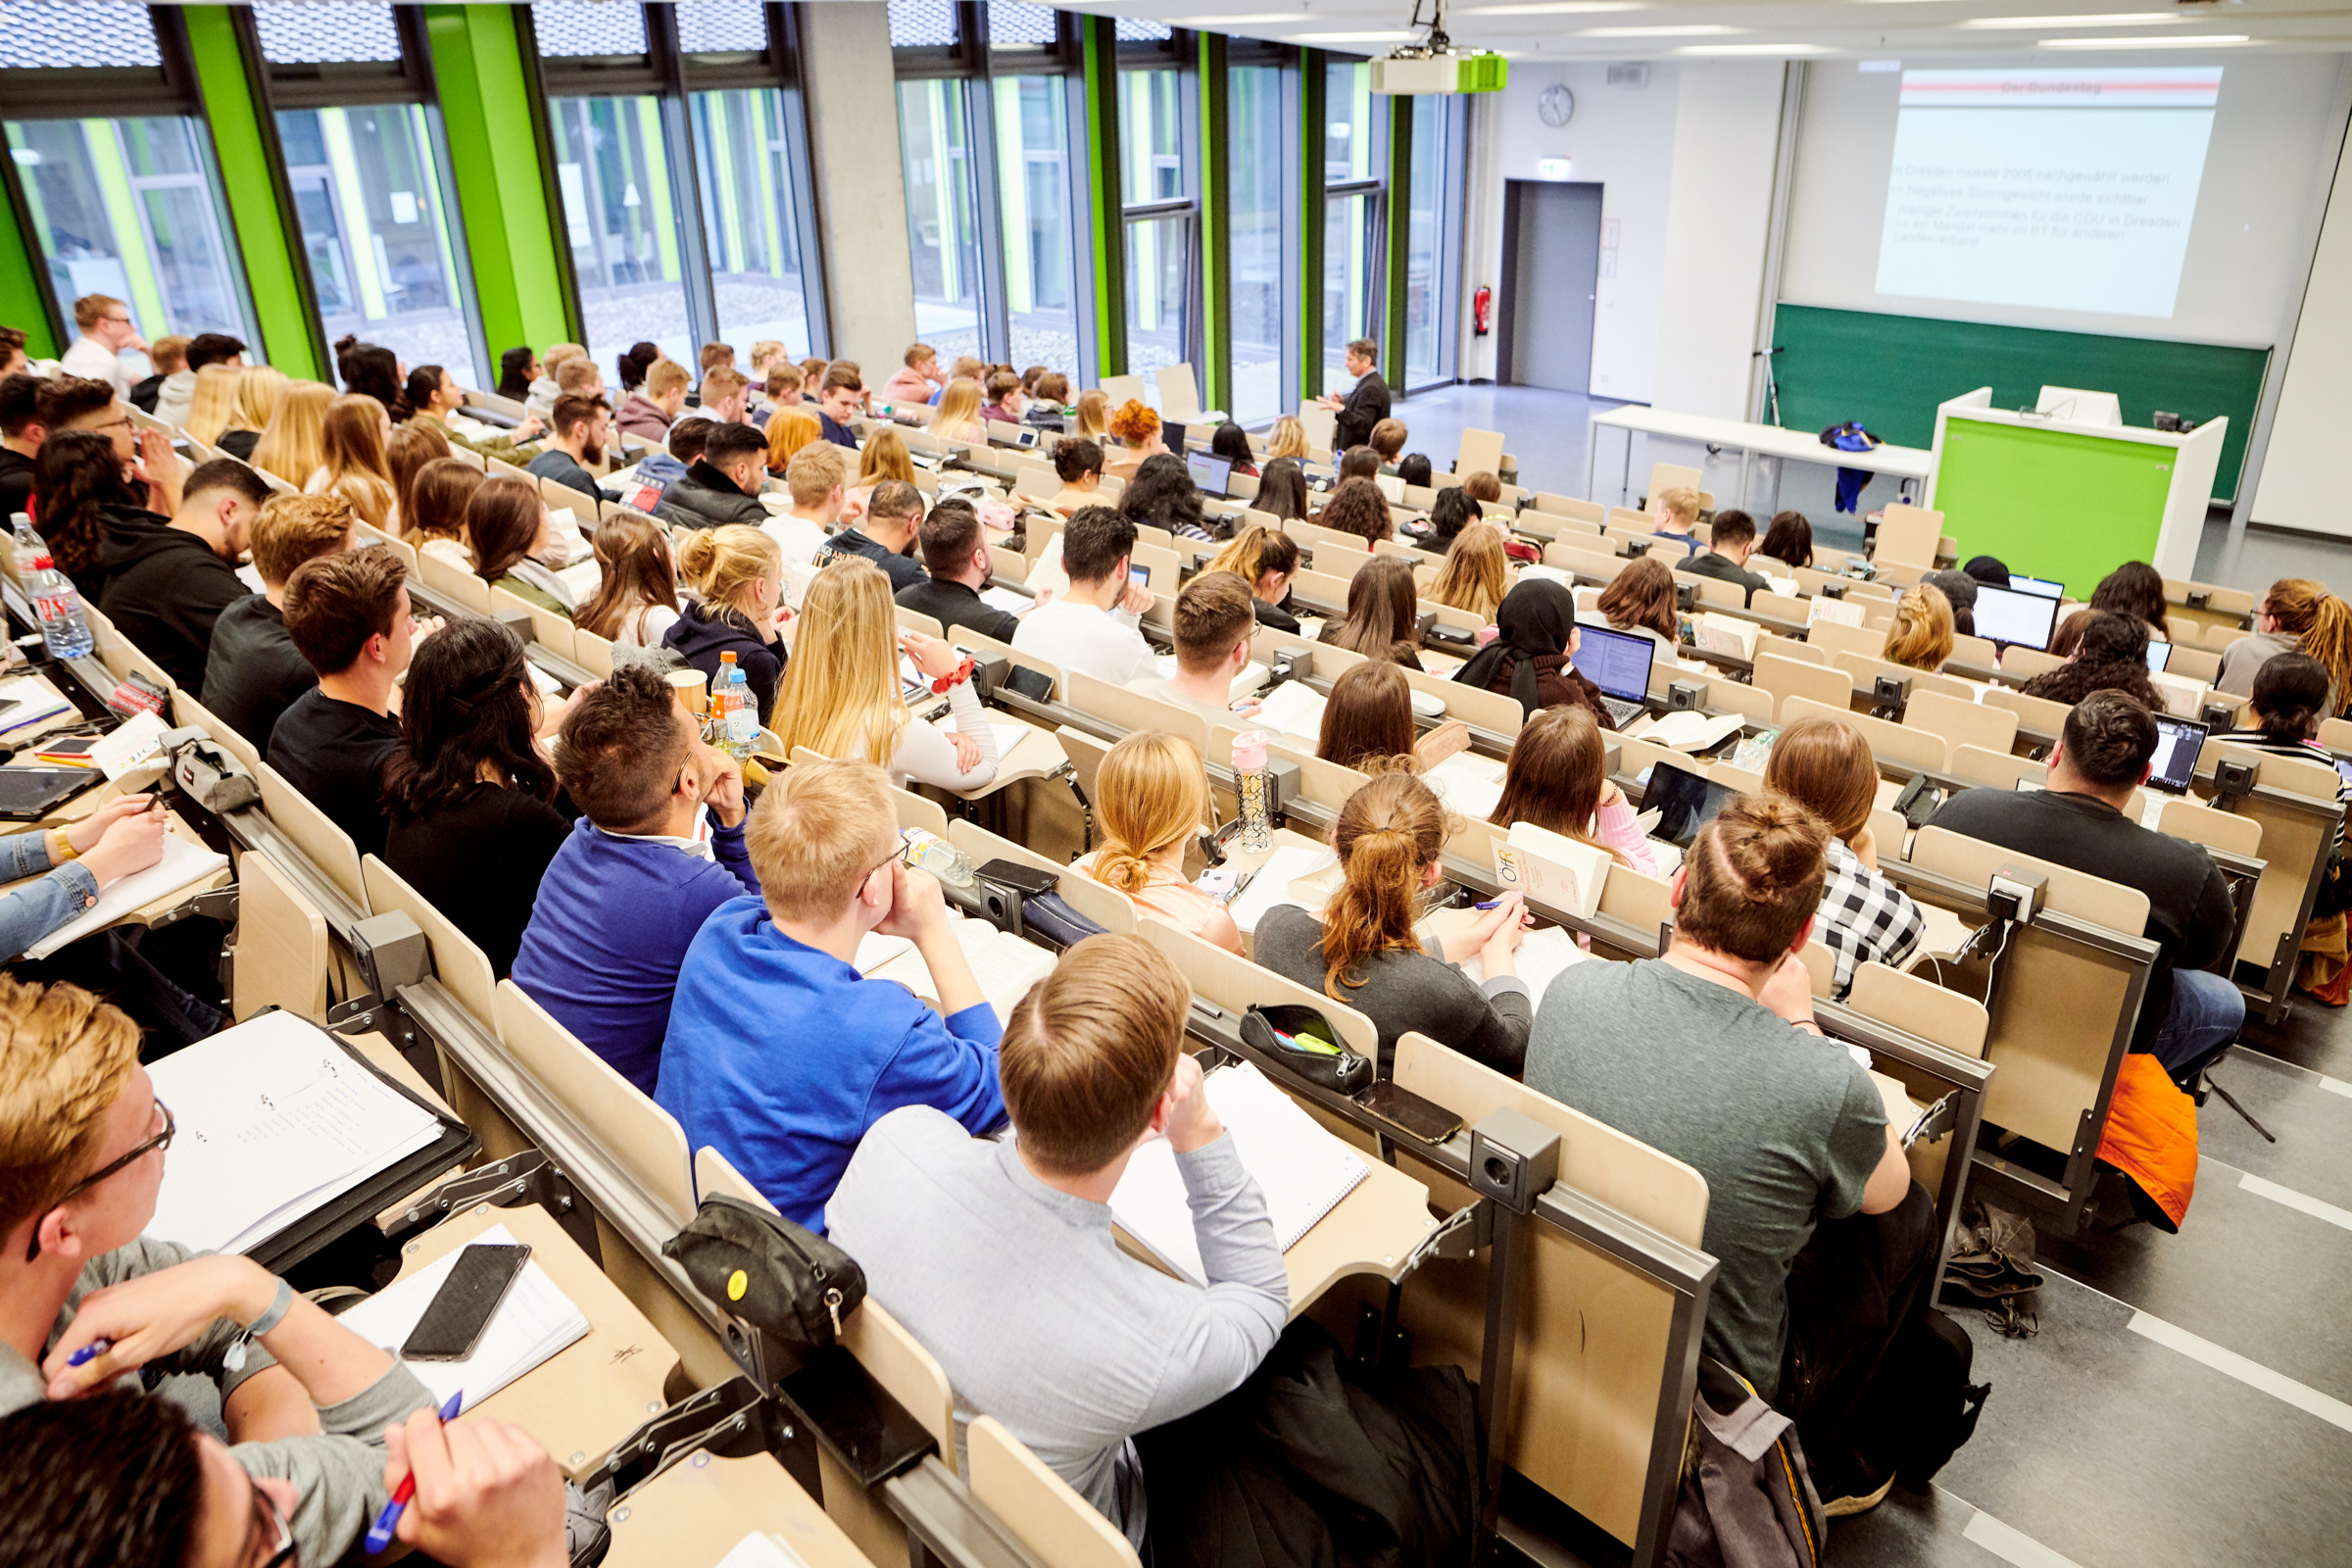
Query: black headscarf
[[1537, 618]]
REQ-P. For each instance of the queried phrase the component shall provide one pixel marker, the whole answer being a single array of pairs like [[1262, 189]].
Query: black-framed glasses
[[264, 1512], [160, 1142]]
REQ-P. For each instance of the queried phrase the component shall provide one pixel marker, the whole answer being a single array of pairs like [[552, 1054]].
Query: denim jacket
[[33, 911]]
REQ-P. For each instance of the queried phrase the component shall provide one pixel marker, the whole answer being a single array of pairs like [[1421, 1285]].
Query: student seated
[[83, 1140], [20, 435], [1826, 766], [2134, 590], [1267, 559], [1282, 489], [348, 614], [1078, 464], [1091, 629], [722, 485], [510, 530], [840, 695], [832, 1052], [737, 574], [1006, 402], [817, 480], [913, 380], [2110, 653], [124, 1477], [957, 413], [1365, 952], [1556, 780], [2296, 615], [631, 887], [1048, 403], [1731, 540], [468, 792], [85, 503], [167, 587], [1530, 657], [576, 442], [1476, 575], [1358, 508], [1384, 616], [435, 511], [1921, 637], [1959, 590], [435, 398], [1368, 719], [1789, 540], [1387, 440], [253, 671], [1414, 468], [725, 394], [646, 411], [1214, 624], [1449, 513], [1825, 1242], [82, 860], [1231, 443], [884, 459], [2290, 698], [998, 1256], [893, 513], [1162, 495], [2188, 1016], [353, 463], [1152, 798], [956, 565], [1138, 430], [1675, 511]]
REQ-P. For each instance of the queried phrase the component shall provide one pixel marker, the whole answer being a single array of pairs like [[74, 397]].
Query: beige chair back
[[1979, 652], [1998, 771], [2032, 712], [2216, 830], [1961, 722], [2024, 664], [1909, 536], [188, 713], [1043, 1511], [1865, 671], [1784, 678], [1834, 638], [462, 966], [641, 1138], [281, 950], [1135, 711], [1915, 748], [315, 833], [453, 583], [550, 630], [1233, 982]]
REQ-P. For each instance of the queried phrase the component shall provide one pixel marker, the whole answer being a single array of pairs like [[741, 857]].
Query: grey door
[[1551, 266]]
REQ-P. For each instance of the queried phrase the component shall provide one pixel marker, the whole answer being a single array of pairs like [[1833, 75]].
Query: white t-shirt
[[93, 360], [643, 627], [1079, 637], [798, 537]]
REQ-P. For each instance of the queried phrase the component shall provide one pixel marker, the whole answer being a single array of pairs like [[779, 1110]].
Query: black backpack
[[1920, 1407]]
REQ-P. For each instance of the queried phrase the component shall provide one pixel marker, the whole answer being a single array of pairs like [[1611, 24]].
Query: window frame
[[1180, 54], [1374, 188]]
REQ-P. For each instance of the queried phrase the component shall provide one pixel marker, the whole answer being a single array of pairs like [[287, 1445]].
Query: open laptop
[[1212, 477], [1171, 434], [2040, 587], [2014, 619], [1618, 662]]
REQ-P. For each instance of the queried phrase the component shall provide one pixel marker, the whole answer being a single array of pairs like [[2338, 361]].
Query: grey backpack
[[1747, 1499]]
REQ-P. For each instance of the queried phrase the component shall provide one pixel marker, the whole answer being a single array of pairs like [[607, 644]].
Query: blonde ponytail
[[1151, 791], [1386, 834]]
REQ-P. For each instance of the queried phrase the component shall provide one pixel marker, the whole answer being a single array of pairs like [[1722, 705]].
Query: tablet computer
[[1684, 801], [2179, 743], [28, 794]]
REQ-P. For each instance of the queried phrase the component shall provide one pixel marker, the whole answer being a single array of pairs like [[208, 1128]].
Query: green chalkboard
[[1890, 371], [2051, 502]]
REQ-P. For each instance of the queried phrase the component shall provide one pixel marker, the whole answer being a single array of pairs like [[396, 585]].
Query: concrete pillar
[[859, 183]]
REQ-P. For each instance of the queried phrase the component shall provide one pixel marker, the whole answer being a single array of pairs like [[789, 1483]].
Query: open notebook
[[275, 1120], [1005, 965], [534, 1321], [1302, 1170], [1543, 955], [1471, 786]]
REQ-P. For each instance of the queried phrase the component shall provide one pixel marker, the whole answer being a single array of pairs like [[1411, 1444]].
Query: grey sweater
[[1036, 1315], [1405, 993], [338, 1477]]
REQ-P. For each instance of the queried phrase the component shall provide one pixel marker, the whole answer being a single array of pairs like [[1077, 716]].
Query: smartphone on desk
[[469, 1299]]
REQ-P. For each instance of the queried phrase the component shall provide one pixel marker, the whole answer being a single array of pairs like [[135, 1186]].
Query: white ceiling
[[2047, 31]]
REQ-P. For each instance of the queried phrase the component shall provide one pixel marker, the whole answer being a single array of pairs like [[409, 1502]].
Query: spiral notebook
[[1303, 1169]]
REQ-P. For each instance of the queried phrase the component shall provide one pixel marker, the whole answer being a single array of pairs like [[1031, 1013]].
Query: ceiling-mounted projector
[[1435, 65]]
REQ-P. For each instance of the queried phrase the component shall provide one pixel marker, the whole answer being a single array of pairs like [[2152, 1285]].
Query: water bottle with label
[[27, 545], [1252, 788], [928, 851], [743, 715], [58, 605]]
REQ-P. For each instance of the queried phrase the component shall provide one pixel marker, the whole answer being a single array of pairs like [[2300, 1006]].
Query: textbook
[[276, 1119], [1008, 736], [1686, 731], [1726, 634], [1553, 867], [1293, 707], [1842, 611], [1471, 786], [35, 704], [1303, 1171], [1005, 965], [182, 864], [534, 1321]]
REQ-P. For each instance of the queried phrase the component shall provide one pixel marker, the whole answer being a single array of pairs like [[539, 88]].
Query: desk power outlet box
[[2015, 895]]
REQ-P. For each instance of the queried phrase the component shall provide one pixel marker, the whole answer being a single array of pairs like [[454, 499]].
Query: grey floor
[[2187, 1399], [1547, 432]]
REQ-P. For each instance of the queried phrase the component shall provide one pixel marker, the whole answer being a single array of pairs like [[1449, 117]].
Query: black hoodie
[[164, 589], [702, 633], [707, 498]]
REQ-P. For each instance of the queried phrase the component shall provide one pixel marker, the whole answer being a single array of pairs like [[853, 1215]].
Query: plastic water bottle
[[27, 544], [730, 696], [1253, 787], [743, 715], [57, 603], [929, 851]]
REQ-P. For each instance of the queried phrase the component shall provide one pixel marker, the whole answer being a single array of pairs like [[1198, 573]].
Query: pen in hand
[[380, 1533]]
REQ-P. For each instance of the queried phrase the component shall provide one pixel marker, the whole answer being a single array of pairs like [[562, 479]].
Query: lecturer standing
[[1367, 403]]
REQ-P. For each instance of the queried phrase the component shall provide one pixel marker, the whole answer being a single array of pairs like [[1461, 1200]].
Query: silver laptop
[[1618, 662]]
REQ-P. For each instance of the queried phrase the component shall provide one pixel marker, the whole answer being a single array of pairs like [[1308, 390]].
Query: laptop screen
[[1616, 661], [1172, 435], [2159, 651], [2040, 587], [2020, 620], [1683, 800], [2179, 743], [1212, 474]]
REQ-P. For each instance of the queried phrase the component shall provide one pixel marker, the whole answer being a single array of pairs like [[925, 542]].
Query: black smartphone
[[1425, 1119], [453, 1324]]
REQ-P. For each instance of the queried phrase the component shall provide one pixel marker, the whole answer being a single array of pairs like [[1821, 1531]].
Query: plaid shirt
[[1864, 918]]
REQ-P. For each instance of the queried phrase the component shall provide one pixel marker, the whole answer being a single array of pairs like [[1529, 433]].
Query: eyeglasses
[[265, 1511], [156, 1145]]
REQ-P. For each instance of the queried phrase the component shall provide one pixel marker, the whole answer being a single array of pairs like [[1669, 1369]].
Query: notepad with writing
[[275, 1120], [1271, 885], [182, 864], [1302, 1170], [534, 1321], [1544, 955]]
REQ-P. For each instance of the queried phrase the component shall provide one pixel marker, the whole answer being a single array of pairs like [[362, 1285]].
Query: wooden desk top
[[699, 1511], [592, 1394]]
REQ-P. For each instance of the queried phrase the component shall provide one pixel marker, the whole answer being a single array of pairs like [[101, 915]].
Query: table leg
[[1625, 480]]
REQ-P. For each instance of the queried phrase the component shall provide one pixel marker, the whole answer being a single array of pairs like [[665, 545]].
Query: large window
[[1032, 194], [943, 214], [1254, 176], [1432, 242], [745, 162], [1161, 228], [130, 208], [375, 230], [621, 212], [1354, 155]]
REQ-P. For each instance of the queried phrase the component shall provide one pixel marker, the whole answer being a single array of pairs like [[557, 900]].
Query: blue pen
[[1491, 903], [380, 1533], [89, 1352]]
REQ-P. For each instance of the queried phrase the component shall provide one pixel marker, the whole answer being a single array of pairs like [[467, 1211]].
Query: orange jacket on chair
[[2151, 1135]]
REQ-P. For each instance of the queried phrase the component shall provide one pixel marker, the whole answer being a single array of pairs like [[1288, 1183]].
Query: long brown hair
[[352, 452], [1358, 508], [1826, 766], [1642, 599], [1386, 834], [1369, 718], [1382, 609], [2323, 622], [638, 571], [413, 446], [1475, 574], [1554, 779], [1255, 551], [501, 523], [437, 498], [885, 458], [1151, 793]]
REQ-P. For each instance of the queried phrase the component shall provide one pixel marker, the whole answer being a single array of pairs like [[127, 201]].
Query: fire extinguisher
[[1482, 309]]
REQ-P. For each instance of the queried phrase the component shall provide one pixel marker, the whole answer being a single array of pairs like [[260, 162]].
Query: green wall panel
[[1100, 52], [267, 240], [21, 303], [1890, 371], [1216, 227], [1311, 97], [486, 89], [2050, 503], [1398, 235]]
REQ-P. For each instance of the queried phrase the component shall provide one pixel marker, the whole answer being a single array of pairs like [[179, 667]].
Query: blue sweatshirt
[[610, 926], [780, 1057]]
